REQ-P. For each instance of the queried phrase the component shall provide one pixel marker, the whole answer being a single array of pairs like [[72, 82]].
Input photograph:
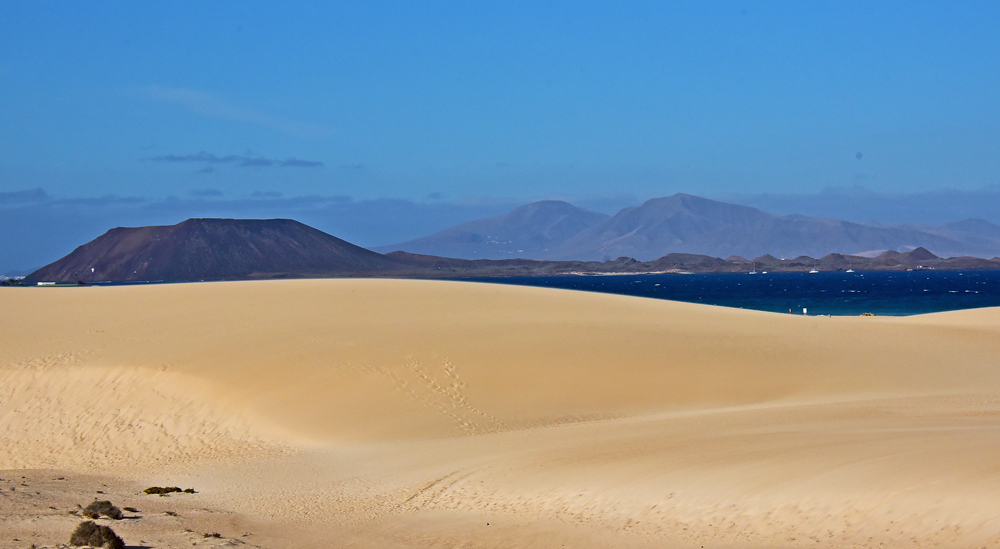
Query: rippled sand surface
[[386, 413]]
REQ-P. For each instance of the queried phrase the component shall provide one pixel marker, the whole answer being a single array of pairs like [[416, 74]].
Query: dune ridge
[[412, 413]]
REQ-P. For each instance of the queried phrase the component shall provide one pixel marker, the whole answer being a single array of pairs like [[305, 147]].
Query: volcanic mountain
[[214, 249], [530, 231]]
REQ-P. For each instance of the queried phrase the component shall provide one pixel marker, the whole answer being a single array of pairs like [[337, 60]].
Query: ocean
[[892, 293]]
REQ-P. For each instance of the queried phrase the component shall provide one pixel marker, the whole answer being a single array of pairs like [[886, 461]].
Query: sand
[[387, 413]]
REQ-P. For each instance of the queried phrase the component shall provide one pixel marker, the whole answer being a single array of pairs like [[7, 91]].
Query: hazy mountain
[[684, 223], [981, 237], [690, 224], [213, 249], [530, 231]]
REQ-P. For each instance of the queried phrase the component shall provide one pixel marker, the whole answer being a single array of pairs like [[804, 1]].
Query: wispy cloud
[[292, 162], [28, 196], [207, 104], [239, 160], [101, 201], [39, 198], [198, 157]]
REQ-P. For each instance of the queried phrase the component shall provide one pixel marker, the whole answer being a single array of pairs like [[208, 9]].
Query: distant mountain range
[[684, 223], [239, 249]]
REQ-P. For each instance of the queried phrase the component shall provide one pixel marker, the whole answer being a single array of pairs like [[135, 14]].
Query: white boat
[[849, 271], [813, 271]]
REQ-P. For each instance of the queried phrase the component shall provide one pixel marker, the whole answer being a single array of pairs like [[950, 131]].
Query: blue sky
[[487, 104]]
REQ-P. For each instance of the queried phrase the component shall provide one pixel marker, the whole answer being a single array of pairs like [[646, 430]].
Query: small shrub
[[98, 508], [162, 490], [189, 491], [130, 509], [212, 535], [88, 533]]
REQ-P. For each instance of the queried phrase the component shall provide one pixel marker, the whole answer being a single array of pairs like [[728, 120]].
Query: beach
[[404, 413]]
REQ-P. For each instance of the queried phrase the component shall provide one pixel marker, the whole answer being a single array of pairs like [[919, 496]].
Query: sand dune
[[107, 418], [411, 413]]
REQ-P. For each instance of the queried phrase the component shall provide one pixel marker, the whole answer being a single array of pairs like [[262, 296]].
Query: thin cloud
[[257, 162], [206, 104], [198, 157], [29, 196], [239, 160], [292, 162], [101, 201]]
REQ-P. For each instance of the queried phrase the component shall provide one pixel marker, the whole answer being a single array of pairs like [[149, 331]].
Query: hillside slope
[[213, 249], [529, 231]]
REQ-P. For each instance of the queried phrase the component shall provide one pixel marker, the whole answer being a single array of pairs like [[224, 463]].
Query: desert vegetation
[[94, 535], [162, 490], [98, 508]]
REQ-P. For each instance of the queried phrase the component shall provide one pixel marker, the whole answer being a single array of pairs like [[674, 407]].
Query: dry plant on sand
[[93, 535], [161, 490], [98, 508]]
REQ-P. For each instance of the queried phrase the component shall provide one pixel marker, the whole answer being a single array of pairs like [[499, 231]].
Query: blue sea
[[894, 293]]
